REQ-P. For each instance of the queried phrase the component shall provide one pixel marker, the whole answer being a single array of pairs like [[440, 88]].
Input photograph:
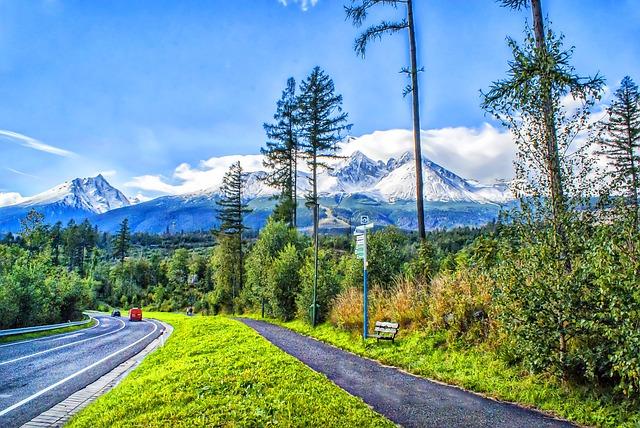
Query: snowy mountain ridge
[[91, 194]]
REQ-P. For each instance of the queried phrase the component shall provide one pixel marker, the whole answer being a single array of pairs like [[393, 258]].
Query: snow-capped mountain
[[78, 199], [385, 189], [439, 184], [395, 180], [92, 194], [357, 173]]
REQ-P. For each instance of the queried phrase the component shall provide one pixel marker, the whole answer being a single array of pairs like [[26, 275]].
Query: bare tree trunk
[[634, 178], [294, 209], [416, 122], [316, 220]]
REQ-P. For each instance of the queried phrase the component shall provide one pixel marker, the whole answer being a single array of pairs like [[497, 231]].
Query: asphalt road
[[408, 400], [37, 374]]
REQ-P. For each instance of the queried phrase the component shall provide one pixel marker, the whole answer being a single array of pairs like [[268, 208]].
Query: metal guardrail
[[14, 331]]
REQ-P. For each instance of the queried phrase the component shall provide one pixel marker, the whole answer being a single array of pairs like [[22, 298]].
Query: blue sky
[[140, 88]]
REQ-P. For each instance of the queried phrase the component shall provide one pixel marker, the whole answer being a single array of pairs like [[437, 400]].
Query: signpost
[[361, 252]]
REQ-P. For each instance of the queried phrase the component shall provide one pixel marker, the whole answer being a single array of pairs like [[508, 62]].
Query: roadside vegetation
[[41, 334], [214, 371]]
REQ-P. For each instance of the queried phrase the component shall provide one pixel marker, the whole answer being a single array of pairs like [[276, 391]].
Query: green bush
[[328, 285]]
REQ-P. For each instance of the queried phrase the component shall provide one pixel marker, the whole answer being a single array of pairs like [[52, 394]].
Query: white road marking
[[54, 337], [68, 378], [5, 395], [2, 363]]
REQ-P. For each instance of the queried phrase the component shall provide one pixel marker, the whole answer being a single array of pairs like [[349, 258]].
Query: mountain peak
[[92, 194]]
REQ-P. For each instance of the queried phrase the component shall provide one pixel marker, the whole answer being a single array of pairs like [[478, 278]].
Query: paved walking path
[[405, 399]]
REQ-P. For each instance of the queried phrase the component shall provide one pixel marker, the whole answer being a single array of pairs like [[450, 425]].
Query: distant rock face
[[92, 194]]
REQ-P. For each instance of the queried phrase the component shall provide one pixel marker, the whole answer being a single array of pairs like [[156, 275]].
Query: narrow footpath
[[407, 400]]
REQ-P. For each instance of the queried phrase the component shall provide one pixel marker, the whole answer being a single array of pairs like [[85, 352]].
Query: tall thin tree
[[231, 214], [530, 103], [621, 144], [552, 157], [357, 12], [281, 154], [322, 122], [122, 241]]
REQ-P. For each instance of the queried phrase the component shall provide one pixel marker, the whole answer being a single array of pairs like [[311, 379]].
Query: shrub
[[405, 303], [461, 304], [283, 283], [273, 238], [346, 311], [388, 252], [328, 285]]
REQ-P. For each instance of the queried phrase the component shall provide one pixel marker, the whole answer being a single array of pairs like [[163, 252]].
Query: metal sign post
[[361, 253]]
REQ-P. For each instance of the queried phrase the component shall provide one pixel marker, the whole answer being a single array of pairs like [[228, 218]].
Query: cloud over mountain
[[484, 154]]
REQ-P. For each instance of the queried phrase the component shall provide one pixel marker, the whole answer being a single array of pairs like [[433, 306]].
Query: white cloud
[[139, 198], [32, 143], [10, 198], [187, 179], [304, 4], [485, 154]]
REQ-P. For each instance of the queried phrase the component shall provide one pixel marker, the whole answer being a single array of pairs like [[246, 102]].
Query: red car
[[135, 314]]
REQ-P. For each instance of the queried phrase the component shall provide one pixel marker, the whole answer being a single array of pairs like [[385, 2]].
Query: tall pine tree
[[281, 154], [322, 122], [357, 12], [122, 241], [621, 144], [232, 209]]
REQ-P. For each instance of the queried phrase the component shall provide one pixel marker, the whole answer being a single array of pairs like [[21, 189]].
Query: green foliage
[[321, 122], [611, 348], [260, 289], [424, 265], [33, 291], [621, 144], [281, 154], [328, 285], [122, 241], [226, 286], [283, 282], [236, 379], [387, 253]]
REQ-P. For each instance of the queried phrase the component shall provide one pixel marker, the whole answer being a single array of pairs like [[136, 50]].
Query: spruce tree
[[621, 144], [357, 12], [122, 241], [322, 122], [281, 154], [232, 209]]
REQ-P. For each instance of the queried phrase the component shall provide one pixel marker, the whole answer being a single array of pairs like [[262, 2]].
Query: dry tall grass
[[457, 302], [405, 303]]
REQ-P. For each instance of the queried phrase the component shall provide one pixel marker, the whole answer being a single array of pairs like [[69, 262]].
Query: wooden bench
[[385, 330]]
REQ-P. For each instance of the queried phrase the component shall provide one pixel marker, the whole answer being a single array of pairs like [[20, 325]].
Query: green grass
[[215, 371], [39, 334], [481, 370]]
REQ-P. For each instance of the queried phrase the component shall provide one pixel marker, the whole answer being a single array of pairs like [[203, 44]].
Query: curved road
[[37, 374]]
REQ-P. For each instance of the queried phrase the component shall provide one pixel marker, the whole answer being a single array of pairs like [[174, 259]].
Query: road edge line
[[61, 413]]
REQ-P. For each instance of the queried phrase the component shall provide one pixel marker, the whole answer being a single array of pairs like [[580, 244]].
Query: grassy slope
[[480, 371], [215, 371], [39, 334]]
